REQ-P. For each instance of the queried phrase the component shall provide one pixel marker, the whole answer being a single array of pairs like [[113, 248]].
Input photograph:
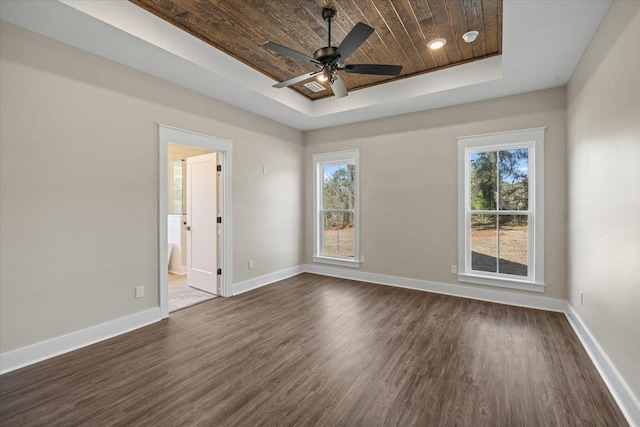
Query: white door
[[202, 245]]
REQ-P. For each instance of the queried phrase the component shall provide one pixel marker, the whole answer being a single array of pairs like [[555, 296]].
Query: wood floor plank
[[315, 350]]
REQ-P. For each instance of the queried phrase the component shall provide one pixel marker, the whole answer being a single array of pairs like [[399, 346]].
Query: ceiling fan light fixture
[[436, 44], [323, 77], [470, 36]]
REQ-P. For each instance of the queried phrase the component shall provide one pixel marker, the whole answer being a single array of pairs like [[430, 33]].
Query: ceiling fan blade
[[290, 52], [376, 69], [354, 39], [338, 87], [296, 80]]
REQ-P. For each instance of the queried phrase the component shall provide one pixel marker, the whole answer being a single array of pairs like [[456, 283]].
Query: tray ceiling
[[541, 46], [402, 30]]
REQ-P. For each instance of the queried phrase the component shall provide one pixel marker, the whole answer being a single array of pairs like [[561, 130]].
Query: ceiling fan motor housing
[[325, 54]]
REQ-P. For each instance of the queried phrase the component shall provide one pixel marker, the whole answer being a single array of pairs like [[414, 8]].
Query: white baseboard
[[623, 396], [179, 273], [258, 282], [25, 356], [492, 295]]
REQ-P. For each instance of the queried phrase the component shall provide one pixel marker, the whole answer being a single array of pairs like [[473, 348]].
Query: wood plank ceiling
[[402, 30]]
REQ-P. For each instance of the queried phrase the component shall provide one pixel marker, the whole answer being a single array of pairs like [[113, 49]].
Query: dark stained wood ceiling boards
[[402, 30]]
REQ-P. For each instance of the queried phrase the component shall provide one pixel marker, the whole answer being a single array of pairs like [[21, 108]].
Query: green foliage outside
[[483, 181], [510, 167]]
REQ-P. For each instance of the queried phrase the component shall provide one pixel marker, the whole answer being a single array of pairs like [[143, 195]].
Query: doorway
[[192, 230], [194, 218]]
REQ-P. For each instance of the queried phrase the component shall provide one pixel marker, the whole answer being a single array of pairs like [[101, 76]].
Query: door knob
[[188, 228]]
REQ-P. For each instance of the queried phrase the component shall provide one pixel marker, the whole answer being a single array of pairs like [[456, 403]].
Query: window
[[335, 208], [500, 219], [177, 185]]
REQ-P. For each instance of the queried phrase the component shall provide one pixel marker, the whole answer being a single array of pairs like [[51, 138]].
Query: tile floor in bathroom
[[181, 295]]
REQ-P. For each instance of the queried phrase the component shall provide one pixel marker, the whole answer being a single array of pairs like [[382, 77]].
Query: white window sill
[[501, 282], [343, 262]]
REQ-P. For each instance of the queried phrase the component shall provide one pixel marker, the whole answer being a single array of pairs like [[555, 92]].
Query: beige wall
[[604, 182], [408, 189], [79, 219]]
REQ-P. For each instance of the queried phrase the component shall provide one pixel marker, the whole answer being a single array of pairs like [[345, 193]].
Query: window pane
[[484, 243], [484, 171], [514, 179], [514, 245], [176, 204], [338, 186], [339, 234]]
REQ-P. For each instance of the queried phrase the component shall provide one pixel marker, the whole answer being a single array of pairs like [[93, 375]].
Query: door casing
[[172, 135]]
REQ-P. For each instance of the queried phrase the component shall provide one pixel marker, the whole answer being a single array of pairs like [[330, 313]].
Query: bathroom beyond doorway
[[192, 197]]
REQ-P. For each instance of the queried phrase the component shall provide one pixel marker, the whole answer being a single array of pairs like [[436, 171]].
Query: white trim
[[534, 139], [491, 136], [501, 282], [171, 135], [623, 396], [491, 295], [336, 156], [257, 282], [343, 262], [317, 161], [38, 352]]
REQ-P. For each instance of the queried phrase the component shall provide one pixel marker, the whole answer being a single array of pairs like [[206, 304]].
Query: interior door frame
[[172, 135]]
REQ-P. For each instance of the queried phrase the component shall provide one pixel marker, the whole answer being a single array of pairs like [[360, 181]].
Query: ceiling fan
[[330, 59]]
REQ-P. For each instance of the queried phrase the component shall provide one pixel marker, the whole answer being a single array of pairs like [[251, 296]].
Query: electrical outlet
[[361, 258], [251, 265], [265, 170], [139, 291], [454, 269], [581, 298]]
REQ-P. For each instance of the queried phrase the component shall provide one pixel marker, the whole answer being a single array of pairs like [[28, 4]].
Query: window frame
[[319, 161], [533, 140]]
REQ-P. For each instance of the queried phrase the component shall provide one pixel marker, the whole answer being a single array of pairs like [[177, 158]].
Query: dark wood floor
[[313, 350]]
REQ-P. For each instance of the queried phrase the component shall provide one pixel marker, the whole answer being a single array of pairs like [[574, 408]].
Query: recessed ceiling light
[[470, 36], [436, 44]]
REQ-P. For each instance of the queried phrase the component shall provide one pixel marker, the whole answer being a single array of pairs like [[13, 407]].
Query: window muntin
[[501, 235], [336, 207]]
